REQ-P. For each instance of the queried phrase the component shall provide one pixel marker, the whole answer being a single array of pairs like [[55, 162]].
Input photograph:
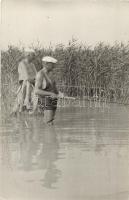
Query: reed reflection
[[38, 150]]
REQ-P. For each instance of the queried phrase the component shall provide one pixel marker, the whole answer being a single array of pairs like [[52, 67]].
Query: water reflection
[[83, 147], [32, 146], [48, 154]]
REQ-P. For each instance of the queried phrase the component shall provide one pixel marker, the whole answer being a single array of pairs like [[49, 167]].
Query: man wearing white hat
[[46, 90], [27, 73]]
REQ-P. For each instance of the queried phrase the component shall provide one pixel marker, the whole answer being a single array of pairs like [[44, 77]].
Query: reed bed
[[82, 71]]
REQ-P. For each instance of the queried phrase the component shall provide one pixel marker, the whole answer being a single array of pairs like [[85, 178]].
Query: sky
[[26, 22]]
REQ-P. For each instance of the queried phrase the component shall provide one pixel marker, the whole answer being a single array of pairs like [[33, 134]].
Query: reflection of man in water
[[28, 145], [39, 150], [48, 157]]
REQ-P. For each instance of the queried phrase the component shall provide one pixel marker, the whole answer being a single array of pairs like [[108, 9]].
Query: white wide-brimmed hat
[[49, 59]]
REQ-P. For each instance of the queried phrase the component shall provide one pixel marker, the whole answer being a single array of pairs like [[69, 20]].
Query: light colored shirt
[[27, 71]]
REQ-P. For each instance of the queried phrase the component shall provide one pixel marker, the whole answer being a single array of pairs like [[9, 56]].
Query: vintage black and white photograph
[[64, 85]]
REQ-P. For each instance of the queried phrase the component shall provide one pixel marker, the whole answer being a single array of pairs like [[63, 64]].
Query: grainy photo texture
[[64, 92]]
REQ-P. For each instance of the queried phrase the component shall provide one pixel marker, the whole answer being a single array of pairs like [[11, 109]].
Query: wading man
[[27, 73], [46, 90]]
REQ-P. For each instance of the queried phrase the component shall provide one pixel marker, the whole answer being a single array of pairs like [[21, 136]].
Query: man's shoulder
[[39, 74], [21, 63], [32, 64]]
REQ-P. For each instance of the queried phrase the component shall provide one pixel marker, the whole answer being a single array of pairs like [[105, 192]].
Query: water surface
[[84, 156]]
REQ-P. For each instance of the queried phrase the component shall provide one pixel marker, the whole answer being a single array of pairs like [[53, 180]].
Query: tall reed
[[79, 66]]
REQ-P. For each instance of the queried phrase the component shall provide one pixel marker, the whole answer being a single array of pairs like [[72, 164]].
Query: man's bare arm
[[56, 89]]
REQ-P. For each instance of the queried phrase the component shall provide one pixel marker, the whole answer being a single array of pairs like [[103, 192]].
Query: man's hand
[[60, 95], [54, 96]]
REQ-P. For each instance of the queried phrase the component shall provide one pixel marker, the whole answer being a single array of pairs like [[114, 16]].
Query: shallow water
[[84, 156]]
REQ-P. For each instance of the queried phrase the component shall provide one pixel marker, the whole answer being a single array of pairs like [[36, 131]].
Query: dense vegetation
[[79, 68]]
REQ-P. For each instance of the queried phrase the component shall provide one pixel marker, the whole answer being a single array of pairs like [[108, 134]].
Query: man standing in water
[[46, 90], [27, 73]]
